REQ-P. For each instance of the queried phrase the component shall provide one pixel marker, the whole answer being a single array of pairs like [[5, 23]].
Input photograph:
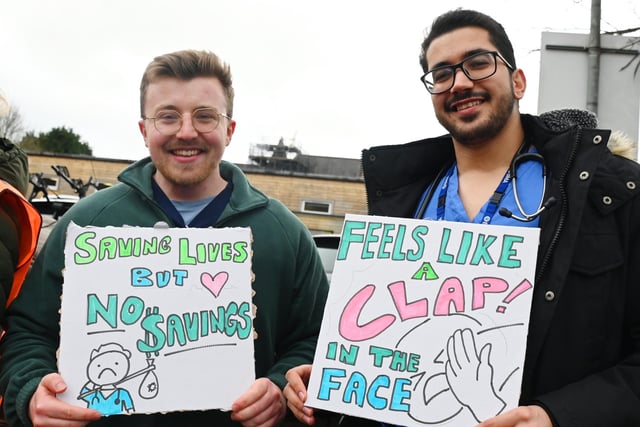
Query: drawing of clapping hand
[[470, 375]]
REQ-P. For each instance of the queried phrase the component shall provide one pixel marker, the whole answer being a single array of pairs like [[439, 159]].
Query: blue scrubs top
[[530, 183]]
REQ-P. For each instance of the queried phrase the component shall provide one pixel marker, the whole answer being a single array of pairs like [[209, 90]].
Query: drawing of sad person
[[108, 367]]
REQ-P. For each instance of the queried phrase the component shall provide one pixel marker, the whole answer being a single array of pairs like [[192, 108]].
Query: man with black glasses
[[582, 363], [186, 102]]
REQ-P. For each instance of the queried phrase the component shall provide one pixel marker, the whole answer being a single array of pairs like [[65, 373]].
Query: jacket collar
[[244, 197]]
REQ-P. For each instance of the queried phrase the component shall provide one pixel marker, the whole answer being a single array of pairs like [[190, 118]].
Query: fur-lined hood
[[623, 145], [619, 143]]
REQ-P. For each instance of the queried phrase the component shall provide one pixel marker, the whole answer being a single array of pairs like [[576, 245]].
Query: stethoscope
[[543, 205], [95, 399], [511, 175]]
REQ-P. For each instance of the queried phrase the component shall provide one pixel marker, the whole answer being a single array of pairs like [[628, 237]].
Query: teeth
[[467, 105], [185, 153]]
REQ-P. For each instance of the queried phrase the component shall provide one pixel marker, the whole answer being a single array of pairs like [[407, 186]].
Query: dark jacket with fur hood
[[583, 354]]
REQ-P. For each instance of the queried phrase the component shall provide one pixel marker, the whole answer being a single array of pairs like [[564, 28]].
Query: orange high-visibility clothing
[[29, 222]]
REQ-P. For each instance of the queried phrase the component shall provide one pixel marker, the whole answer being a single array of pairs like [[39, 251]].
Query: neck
[[495, 153], [482, 165], [191, 192]]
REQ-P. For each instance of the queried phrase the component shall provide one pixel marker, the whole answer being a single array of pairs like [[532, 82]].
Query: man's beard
[[482, 131]]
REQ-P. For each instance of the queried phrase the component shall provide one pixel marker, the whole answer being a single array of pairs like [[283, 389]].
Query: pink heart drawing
[[214, 284]]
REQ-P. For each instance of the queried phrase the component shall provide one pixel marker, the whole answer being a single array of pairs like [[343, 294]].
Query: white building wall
[[563, 79]]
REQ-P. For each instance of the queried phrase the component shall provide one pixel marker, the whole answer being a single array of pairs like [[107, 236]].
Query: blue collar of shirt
[[207, 216]]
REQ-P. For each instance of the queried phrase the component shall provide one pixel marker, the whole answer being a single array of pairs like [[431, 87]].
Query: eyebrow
[[466, 55], [166, 107], [175, 108]]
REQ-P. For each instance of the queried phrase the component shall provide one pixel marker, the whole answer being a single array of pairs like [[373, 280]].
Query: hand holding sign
[[151, 308], [425, 322], [470, 375]]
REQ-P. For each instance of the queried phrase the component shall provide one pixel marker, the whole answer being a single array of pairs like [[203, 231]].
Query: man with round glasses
[[582, 363], [186, 107], [204, 120]]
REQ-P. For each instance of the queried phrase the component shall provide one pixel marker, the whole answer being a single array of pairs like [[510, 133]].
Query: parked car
[[55, 204], [328, 248]]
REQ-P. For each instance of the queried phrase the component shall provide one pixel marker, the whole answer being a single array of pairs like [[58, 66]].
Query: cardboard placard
[[156, 320], [425, 322]]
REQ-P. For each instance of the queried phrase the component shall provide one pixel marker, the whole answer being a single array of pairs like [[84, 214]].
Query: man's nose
[[460, 81], [187, 130]]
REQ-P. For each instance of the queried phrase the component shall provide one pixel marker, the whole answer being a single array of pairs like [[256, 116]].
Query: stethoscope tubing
[[519, 158]]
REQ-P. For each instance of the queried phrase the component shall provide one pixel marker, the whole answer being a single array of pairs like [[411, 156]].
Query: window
[[322, 208]]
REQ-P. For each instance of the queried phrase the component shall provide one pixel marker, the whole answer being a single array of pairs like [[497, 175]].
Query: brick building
[[319, 190]]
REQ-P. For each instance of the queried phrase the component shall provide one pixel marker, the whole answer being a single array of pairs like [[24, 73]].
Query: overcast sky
[[331, 76]]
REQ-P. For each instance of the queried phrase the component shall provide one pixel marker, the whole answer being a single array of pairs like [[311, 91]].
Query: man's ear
[[231, 128], [519, 82], [143, 131]]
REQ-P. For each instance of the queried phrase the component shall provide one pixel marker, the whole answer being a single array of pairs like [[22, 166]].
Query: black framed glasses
[[203, 120], [478, 66]]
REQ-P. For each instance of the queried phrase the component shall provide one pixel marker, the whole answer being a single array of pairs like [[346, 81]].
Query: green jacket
[[290, 291]]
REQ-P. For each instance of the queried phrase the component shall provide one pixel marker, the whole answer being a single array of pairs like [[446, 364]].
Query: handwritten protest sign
[[156, 320], [425, 322]]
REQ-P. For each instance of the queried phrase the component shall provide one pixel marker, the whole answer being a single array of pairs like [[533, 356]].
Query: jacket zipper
[[564, 208]]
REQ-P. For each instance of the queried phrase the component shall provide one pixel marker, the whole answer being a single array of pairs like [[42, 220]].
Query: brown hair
[[187, 65]]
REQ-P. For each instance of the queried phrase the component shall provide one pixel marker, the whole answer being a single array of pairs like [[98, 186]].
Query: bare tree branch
[[621, 32], [11, 126]]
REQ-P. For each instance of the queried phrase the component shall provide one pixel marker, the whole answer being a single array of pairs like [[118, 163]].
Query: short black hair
[[461, 18]]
